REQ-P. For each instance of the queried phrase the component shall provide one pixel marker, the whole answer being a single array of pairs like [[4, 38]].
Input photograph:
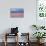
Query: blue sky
[[11, 0]]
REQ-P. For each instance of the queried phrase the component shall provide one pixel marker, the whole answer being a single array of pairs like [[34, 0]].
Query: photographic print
[[16, 12]]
